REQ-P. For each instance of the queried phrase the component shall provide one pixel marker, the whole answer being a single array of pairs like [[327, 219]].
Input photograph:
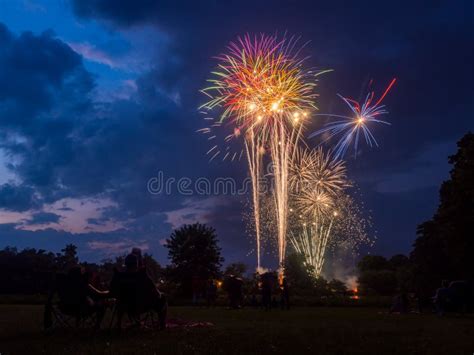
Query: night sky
[[98, 96]]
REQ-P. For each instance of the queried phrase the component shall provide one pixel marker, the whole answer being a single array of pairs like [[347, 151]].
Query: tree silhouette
[[194, 255], [444, 246], [373, 263], [297, 272], [384, 277]]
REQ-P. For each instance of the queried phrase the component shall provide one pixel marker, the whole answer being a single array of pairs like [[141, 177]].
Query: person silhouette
[[285, 294], [137, 290], [211, 293], [267, 285], [440, 298]]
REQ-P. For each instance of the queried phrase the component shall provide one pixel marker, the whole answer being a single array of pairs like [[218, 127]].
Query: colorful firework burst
[[351, 128], [261, 80], [264, 91]]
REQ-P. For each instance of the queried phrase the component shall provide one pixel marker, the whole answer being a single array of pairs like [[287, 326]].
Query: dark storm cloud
[[18, 198], [43, 218], [46, 93], [40, 71], [71, 147]]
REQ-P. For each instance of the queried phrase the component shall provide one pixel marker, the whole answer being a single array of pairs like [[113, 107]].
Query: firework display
[[265, 93], [260, 82], [350, 128], [311, 242], [341, 228], [318, 182], [262, 95]]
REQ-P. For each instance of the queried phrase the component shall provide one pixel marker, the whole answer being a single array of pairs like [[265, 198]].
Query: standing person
[[267, 285], [238, 295], [233, 286], [440, 299], [211, 293], [285, 294]]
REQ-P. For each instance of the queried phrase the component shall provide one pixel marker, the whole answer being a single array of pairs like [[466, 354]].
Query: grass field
[[248, 331]]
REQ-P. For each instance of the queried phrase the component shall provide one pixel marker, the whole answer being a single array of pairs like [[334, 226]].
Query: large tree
[[298, 273], [376, 275], [445, 244], [194, 254]]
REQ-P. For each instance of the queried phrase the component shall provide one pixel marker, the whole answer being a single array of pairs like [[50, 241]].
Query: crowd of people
[[132, 292], [267, 292], [450, 296]]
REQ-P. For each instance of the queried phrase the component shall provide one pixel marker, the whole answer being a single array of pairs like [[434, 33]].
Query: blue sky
[[98, 96]]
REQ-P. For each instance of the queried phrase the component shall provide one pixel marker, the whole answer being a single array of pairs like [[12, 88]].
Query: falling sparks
[[311, 242], [344, 229]]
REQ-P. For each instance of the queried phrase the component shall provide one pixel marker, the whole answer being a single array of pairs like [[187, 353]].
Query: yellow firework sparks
[[318, 183], [315, 169], [312, 242], [314, 202], [342, 226], [316, 180]]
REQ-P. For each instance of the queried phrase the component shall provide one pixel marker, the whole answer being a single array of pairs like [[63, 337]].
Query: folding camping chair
[[68, 305]]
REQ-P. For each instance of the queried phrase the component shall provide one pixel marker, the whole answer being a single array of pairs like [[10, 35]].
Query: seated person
[[136, 293], [77, 297], [400, 304]]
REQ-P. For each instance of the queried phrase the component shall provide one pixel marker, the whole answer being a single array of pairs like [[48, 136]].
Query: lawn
[[315, 330]]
